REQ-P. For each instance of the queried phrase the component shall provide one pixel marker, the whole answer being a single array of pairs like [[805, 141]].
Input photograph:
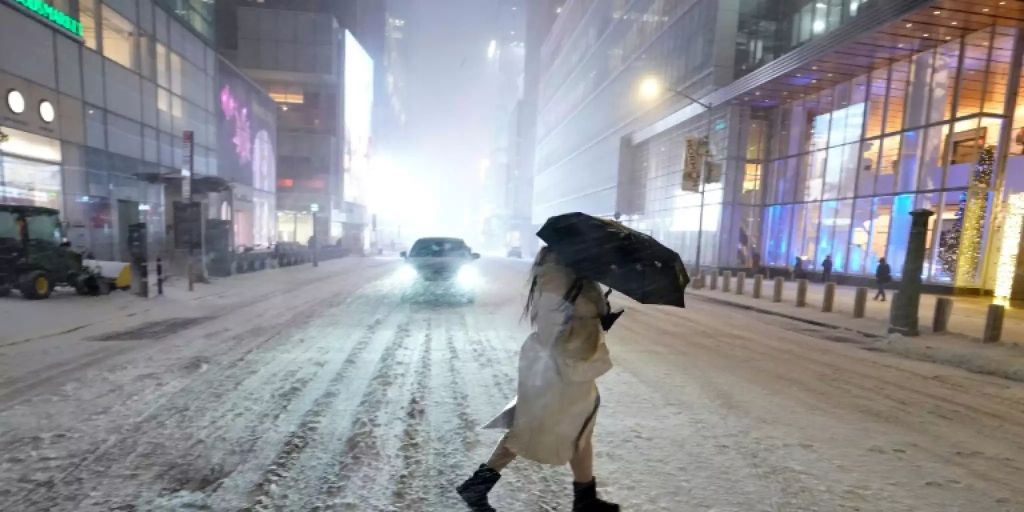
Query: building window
[[175, 61], [163, 75], [118, 38], [31, 183], [147, 60], [87, 16], [290, 95]]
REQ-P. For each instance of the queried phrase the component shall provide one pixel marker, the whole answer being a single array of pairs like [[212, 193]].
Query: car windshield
[[439, 248]]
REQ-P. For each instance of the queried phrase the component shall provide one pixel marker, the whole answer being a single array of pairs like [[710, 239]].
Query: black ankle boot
[[474, 490], [587, 501]]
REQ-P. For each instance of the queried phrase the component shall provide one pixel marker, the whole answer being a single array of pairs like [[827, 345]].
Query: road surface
[[334, 393]]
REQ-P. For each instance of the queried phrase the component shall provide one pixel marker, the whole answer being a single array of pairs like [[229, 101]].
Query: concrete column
[[758, 284], [777, 292], [741, 280], [943, 310], [829, 299], [726, 281], [801, 293], [993, 324], [905, 305], [714, 281], [860, 302]]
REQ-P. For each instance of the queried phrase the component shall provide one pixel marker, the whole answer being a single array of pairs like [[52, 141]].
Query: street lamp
[[652, 88]]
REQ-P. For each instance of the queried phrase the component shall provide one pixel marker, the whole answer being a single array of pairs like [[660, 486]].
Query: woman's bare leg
[[582, 463], [501, 456]]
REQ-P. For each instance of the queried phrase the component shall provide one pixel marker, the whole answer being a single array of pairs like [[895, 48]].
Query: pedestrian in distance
[[551, 421], [883, 276], [798, 269], [826, 269]]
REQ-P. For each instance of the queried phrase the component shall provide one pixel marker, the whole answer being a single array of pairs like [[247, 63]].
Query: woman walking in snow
[[552, 419]]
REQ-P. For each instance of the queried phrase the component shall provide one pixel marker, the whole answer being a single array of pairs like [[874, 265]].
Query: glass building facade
[[830, 122], [847, 164], [122, 92]]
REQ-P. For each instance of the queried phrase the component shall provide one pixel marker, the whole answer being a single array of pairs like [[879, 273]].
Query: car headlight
[[407, 273], [468, 277]]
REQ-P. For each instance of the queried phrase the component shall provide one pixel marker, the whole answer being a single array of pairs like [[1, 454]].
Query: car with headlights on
[[443, 265]]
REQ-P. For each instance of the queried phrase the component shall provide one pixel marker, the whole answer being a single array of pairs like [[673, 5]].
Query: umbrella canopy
[[621, 258]]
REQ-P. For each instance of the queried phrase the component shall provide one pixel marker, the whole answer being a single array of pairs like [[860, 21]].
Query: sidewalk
[[65, 312], [960, 347]]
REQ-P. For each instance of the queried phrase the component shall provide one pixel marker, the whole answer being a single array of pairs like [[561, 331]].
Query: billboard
[[358, 119], [246, 131]]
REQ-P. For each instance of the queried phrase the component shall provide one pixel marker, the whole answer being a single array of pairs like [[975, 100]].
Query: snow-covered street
[[322, 389]]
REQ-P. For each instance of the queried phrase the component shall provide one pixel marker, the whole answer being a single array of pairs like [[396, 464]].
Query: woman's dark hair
[[542, 257]]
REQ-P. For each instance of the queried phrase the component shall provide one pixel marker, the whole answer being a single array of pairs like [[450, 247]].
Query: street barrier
[[741, 279], [828, 300], [943, 311], [777, 292], [714, 281], [801, 293], [758, 283], [860, 302], [726, 281], [993, 324]]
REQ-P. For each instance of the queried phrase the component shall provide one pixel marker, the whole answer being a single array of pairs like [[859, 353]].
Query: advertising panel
[[358, 119], [246, 131]]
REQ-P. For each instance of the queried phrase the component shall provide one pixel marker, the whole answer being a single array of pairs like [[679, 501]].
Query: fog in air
[[515, 255]]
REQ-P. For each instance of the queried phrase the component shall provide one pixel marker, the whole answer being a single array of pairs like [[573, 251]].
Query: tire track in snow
[[363, 456], [173, 408], [410, 489], [263, 495]]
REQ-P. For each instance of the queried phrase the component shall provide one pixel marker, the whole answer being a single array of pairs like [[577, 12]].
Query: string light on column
[[1006, 267], [974, 219]]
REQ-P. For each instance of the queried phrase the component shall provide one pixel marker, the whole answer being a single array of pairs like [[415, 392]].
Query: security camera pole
[[186, 194]]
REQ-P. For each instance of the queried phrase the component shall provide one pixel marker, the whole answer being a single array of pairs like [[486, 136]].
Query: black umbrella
[[621, 258]]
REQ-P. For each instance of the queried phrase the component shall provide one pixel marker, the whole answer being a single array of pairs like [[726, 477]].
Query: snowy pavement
[[322, 389]]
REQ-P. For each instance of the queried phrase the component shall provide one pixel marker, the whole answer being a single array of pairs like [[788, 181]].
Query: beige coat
[[558, 364]]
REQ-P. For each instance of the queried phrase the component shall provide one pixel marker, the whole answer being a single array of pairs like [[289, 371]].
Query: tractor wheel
[[85, 284], [35, 285]]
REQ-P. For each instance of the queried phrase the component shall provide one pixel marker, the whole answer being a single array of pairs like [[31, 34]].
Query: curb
[[795, 318]]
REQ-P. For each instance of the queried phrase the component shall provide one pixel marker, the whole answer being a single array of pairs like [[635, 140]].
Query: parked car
[[515, 252]]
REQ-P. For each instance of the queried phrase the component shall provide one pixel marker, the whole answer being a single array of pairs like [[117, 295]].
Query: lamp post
[[651, 88], [315, 245]]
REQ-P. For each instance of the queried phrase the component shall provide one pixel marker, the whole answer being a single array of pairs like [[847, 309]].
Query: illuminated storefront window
[[914, 133]]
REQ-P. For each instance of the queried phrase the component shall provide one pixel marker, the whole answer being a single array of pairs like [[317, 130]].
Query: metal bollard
[[993, 324], [943, 310], [758, 283], [726, 281], [860, 302], [714, 281], [159, 276], [777, 292], [801, 293], [829, 299]]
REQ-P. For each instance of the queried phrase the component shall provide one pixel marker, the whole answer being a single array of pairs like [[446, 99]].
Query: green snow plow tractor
[[33, 257]]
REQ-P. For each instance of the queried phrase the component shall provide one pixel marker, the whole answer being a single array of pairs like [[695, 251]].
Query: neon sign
[[52, 15]]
